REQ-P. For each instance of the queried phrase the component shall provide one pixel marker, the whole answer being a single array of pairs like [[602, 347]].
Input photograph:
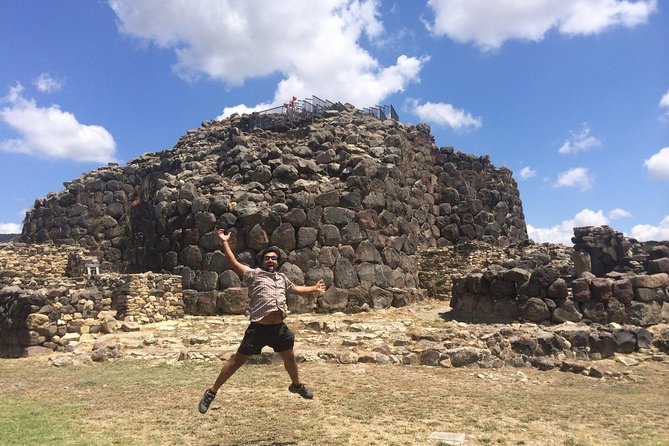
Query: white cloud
[[46, 84], [618, 213], [10, 228], [645, 233], [579, 142], [577, 177], [446, 115], [664, 103], [527, 172], [243, 109], [563, 232], [52, 132], [489, 23], [313, 45], [658, 164]]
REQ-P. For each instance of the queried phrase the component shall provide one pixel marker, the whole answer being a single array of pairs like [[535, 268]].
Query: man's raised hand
[[224, 237]]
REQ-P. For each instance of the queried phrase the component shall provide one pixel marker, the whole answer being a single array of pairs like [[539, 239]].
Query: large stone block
[[207, 303], [595, 311], [301, 303], [205, 280], [380, 298], [284, 237], [334, 299], [345, 276], [622, 290], [580, 289], [650, 294], [233, 300], [660, 280], [535, 310], [645, 314], [257, 238], [601, 289], [658, 266]]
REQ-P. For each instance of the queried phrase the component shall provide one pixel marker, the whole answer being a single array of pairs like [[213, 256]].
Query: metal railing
[[302, 110], [381, 112]]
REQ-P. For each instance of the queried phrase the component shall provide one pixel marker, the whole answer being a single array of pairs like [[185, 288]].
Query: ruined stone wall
[[34, 266], [629, 289], [439, 265], [604, 250], [348, 198], [42, 307]]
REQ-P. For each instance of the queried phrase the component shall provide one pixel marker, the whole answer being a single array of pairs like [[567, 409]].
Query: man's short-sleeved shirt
[[267, 291]]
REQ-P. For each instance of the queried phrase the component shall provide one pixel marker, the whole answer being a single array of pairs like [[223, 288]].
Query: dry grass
[[136, 402]]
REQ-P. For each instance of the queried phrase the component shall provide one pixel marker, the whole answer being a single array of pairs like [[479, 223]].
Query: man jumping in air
[[268, 309]]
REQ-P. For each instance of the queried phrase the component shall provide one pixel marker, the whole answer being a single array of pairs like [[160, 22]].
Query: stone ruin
[[605, 278], [347, 197], [47, 301], [373, 207], [552, 285]]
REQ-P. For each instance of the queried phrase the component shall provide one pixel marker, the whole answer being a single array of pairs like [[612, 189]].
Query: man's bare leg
[[229, 368], [290, 364]]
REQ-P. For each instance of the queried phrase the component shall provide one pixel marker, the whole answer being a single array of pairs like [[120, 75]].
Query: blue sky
[[572, 96]]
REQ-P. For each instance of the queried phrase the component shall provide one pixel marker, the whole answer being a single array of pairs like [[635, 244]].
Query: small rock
[[596, 372], [630, 362], [61, 360], [347, 358], [130, 326]]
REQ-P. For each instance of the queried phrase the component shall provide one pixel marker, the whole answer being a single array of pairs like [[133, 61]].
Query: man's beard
[[269, 268]]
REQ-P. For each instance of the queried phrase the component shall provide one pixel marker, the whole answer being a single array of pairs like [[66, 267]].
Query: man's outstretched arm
[[236, 266], [302, 289]]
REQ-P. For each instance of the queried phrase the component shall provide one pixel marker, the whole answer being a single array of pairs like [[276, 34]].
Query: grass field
[[137, 402]]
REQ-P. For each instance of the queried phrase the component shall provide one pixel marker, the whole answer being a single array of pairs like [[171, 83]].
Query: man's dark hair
[[262, 253]]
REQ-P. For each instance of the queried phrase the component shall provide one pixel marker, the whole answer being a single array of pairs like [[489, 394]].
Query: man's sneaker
[[206, 400], [301, 390]]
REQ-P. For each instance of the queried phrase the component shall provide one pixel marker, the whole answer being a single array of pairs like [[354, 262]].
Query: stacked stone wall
[[42, 307], [556, 292], [438, 265], [348, 198]]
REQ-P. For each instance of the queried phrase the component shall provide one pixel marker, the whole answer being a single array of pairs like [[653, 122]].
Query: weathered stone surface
[[465, 356], [601, 288], [344, 275], [334, 299], [658, 266], [558, 289], [207, 302], [622, 290], [37, 322], [625, 341], [206, 280], [651, 281], [233, 300], [645, 314], [580, 289], [535, 310], [229, 279], [306, 237], [284, 237], [516, 275], [594, 311]]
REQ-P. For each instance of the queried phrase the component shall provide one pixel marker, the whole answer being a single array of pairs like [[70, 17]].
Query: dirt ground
[[150, 396]]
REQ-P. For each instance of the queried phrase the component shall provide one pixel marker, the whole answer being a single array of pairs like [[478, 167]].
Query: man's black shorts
[[277, 336]]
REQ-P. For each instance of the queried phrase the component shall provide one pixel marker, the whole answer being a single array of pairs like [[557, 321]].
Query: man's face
[[270, 261]]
